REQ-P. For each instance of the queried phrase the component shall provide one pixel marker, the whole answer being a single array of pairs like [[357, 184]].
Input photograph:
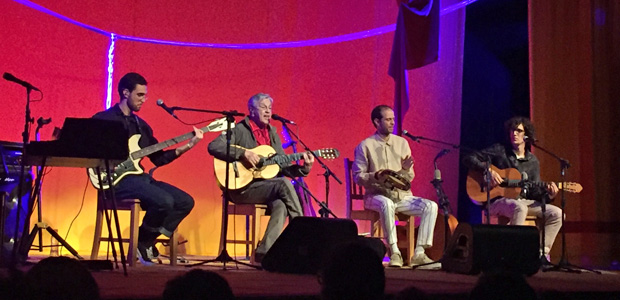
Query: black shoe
[[143, 255], [154, 252]]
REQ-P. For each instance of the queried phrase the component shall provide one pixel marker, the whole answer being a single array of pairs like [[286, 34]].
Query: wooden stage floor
[[247, 283]]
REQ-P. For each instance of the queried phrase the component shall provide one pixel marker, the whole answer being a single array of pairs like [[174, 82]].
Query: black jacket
[[136, 125], [503, 157], [242, 136]]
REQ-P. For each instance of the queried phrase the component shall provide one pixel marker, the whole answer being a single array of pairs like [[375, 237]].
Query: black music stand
[[83, 143]]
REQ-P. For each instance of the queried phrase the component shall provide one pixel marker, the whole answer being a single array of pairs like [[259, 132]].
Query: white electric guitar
[[132, 164]]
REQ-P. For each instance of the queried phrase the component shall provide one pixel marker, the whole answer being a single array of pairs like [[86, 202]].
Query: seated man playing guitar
[[166, 206], [278, 193], [516, 154]]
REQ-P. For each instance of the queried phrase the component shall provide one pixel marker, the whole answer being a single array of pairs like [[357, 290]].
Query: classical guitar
[[268, 167], [132, 164], [510, 187]]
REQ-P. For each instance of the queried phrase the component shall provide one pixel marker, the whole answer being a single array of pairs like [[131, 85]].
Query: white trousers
[[518, 209], [410, 205]]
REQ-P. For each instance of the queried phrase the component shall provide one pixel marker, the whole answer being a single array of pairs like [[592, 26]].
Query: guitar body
[[268, 167], [510, 188], [121, 170], [476, 185], [241, 175]]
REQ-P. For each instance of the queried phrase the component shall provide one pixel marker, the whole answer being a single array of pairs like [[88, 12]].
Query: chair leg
[[174, 243], [410, 239], [132, 252], [97, 239], [256, 229]]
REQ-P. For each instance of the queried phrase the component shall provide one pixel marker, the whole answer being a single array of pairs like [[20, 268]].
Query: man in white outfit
[[373, 156]]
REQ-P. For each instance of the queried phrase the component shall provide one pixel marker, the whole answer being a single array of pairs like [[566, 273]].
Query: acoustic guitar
[[132, 164], [510, 187], [268, 166]]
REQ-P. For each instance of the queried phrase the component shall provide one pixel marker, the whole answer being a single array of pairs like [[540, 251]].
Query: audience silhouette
[[354, 271], [198, 284]]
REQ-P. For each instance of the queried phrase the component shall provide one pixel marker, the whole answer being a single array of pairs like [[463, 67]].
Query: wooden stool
[[252, 213], [133, 206]]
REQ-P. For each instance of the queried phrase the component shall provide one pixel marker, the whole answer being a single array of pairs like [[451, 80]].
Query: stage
[[148, 283]]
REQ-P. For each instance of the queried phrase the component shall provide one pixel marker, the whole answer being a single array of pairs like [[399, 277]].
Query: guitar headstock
[[218, 125], [328, 153], [572, 187]]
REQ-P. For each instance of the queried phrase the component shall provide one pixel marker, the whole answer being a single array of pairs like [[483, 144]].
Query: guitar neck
[[287, 158], [167, 143]]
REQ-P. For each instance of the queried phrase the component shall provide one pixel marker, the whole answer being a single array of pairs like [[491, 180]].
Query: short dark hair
[[129, 81], [514, 122], [376, 113]]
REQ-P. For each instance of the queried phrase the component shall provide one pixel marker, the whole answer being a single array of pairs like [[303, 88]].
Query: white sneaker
[[396, 260], [423, 259]]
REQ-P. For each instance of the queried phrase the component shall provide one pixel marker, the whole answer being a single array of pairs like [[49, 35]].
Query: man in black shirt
[[166, 206], [515, 153]]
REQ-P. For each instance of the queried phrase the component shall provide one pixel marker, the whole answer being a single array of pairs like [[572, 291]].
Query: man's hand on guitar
[[250, 158], [308, 161], [198, 135], [496, 179], [552, 189]]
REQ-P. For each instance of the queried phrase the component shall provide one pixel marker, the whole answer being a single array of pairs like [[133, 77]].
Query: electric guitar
[[268, 166], [510, 187], [132, 164]]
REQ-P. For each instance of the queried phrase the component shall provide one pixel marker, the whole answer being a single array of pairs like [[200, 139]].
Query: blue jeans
[[165, 205]]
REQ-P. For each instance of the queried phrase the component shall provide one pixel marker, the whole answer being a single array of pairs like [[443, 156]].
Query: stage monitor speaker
[[305, 243], [475, 248]]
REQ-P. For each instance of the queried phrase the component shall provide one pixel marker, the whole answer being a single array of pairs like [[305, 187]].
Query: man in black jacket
[[166, 205], [278, 193], [515, 153]]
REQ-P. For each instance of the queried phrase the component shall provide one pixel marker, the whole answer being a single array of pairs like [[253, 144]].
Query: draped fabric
[[416, 44]]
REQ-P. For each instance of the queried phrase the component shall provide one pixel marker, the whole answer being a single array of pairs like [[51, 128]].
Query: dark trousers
[[165, 205], [281, 199]]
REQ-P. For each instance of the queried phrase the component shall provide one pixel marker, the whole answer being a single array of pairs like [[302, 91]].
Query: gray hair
[[253, 102]]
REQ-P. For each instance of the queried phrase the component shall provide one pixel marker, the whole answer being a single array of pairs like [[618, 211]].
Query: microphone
[[283, 120], [529, 139], [10, 77], [441, 153], [437, 174], [42, 121], [409, 135], [169, 110]]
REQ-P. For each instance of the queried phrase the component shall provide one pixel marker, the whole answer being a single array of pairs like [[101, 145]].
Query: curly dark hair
[[514, 122]]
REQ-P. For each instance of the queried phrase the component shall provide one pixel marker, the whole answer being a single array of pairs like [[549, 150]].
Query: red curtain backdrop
[[328, 90]]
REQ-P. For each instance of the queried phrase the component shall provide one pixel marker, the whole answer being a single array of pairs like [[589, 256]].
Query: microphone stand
[[223, 257], [299, 181], [486, 174], [25, 139], [442, 198], [563, 264], [324, 211]]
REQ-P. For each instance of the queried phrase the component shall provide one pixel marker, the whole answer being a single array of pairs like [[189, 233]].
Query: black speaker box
[[306, 242], [475, 248]]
